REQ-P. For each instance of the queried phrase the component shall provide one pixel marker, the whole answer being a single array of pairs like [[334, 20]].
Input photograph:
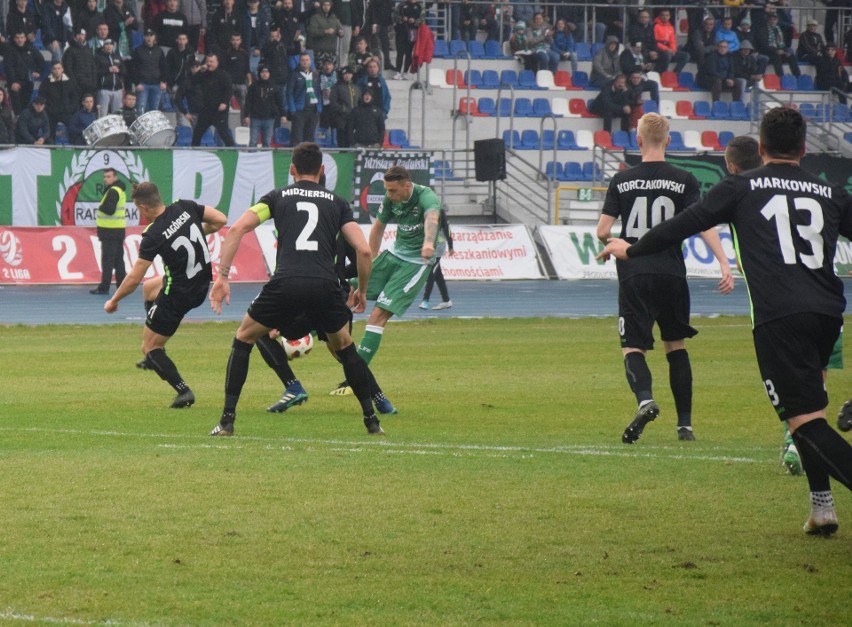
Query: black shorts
[[648, 298], [168, 310], [792, 353], [296, 306]]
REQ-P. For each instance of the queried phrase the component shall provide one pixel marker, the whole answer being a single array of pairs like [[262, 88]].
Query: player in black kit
[[785, 223], [654, 289], [304, 288], [177, 234]]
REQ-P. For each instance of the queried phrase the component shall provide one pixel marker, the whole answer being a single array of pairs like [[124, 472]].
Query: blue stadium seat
[[840, 112], [739, 110], [725, 137], [805, 82], [60, 137], [209, 139], [490, 79], [541, 107], [720, 110], [554, 170], [581, 79], [442, 49], [634, 143], [526, 80], [620, 139], [676, 141], [565, 140], [810, 111], [583, 50], [397, 137], [591, 172], [687, 80], [548, 137], [493, 50], [473, 78], [530, 140], [523, 108], [476, 49], [509, 77], [789, 82], [504, 107], [702, 108], [512, 139], [650, 106], [456, 46], [136, 39], [281, 136], [573, 171], [184, 135], [848, 136], [487, 106]]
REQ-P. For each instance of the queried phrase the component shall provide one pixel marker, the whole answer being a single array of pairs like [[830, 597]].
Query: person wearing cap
[[79, 63], [169, 24], [830, 72], [518, 44], [111, 77], [61, 96], [747, 64], [148, 71], [23, 66], [606, 64], [366, 123], [33, 125], [811, 43], [262, 111], [55, 22], [342, 100], [772, 43]]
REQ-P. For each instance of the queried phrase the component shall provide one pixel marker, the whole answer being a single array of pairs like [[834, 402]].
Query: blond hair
[[654, 129]]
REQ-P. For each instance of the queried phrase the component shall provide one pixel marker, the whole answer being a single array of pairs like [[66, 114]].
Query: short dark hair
[[307, 158], [743, 153], [397, 173], [782, 133], [146, 193], [105, 170]]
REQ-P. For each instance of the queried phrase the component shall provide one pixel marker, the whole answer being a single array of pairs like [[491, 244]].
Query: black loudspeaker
[[490, 159]]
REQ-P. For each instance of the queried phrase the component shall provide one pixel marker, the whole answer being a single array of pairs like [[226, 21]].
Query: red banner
[[30, 255]]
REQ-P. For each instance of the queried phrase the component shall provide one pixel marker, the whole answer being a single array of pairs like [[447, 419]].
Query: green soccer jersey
[[409, 217]]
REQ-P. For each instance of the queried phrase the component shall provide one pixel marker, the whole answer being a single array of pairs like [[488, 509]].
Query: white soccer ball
[[298, 348]]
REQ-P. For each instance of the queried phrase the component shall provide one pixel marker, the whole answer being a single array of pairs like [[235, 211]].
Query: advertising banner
[[54, 186], [369, 178], [73, 255]]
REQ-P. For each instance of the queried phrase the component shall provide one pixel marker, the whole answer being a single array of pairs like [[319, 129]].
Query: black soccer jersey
[[785, 223], [308, 218], [643, 197], [177, 235]]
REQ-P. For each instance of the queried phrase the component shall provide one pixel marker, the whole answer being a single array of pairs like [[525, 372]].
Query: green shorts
[[394, 283], [836, 359]]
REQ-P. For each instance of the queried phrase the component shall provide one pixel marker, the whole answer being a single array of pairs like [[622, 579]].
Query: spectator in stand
[[343, 99], [380, 20], [177, 62], [468, 20], [605, 64], [216, 90], [643, 30], [61, 97], [111, 77], [367, 124], [55, 27], [236, 63], [612, 102], [811, 44], [81, 120], [324, 31], [725, 32], [375, 82], [489, 20], [276, 57], [632, 60], [22, 19], [23, 66], [519, 46], [188, 98], [304, 101], [225, 22], [771, 42], [359, 58], [33, 127], [609, 22], [540, 41], [717, 74], [744, 33], [169, 24], [702, 41], [128, 109], [573, 15], [262, 111], [409, 15], [7, 119], [149, 73], [258, 19], [327, 80], [360, 28], [79, 63], [196, 19], [830, 72], [121, 18], [286, 18], [563, 44], [344, 10], [637, 85], [747, 64], [101, 35], [88, 17], [664, 34]]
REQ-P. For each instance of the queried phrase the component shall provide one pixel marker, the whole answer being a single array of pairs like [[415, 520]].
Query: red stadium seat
[[710, 139], [563, 79], [577, 106], [684, 108], [604, 140], [669, 80]]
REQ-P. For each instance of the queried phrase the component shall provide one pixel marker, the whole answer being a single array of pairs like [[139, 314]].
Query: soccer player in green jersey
[[399, 272]]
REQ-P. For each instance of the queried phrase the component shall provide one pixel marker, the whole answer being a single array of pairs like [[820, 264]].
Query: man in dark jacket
[[111, 77], [343, 99], [177, 62], [33, 127], [225, 22], [810, 43], [262, 110], [111, 222], [612, 102], [275, 55], [717, 74], [55, 27], [23, 66], [79, 63], [216, 86], [61, 97], [188, 97], [304, 102], [149, 73], [235, 61], [367, 124], [169, 24], [22, 19], [702, 41], [81, 120], [643, 30]]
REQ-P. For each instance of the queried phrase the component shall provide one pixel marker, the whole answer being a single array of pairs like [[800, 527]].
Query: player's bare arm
[[221, 290], [604, 228], [376, 233], [430, 233], [213, 220], [364, 260], [711, 238], [128, 285]]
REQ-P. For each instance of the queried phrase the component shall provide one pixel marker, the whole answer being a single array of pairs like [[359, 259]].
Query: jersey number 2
[[304, 241], [195, 235], [777, 209]]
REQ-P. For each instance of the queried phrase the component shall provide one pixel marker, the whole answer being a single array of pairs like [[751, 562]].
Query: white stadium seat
[[544, 78], [438, 78]]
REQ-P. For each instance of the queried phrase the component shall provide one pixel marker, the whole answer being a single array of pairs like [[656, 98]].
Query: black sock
[[358, 375], [166, 369], [820, 445], [680, 379], [638, 376], [148, 304], [818, 478], [235, 374], [275, 357]]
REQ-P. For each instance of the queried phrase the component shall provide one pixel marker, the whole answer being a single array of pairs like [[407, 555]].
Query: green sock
[[788, 439], [369, 345]]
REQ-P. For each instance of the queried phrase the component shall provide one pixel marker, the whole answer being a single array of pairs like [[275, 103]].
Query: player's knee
[[348, 355]]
